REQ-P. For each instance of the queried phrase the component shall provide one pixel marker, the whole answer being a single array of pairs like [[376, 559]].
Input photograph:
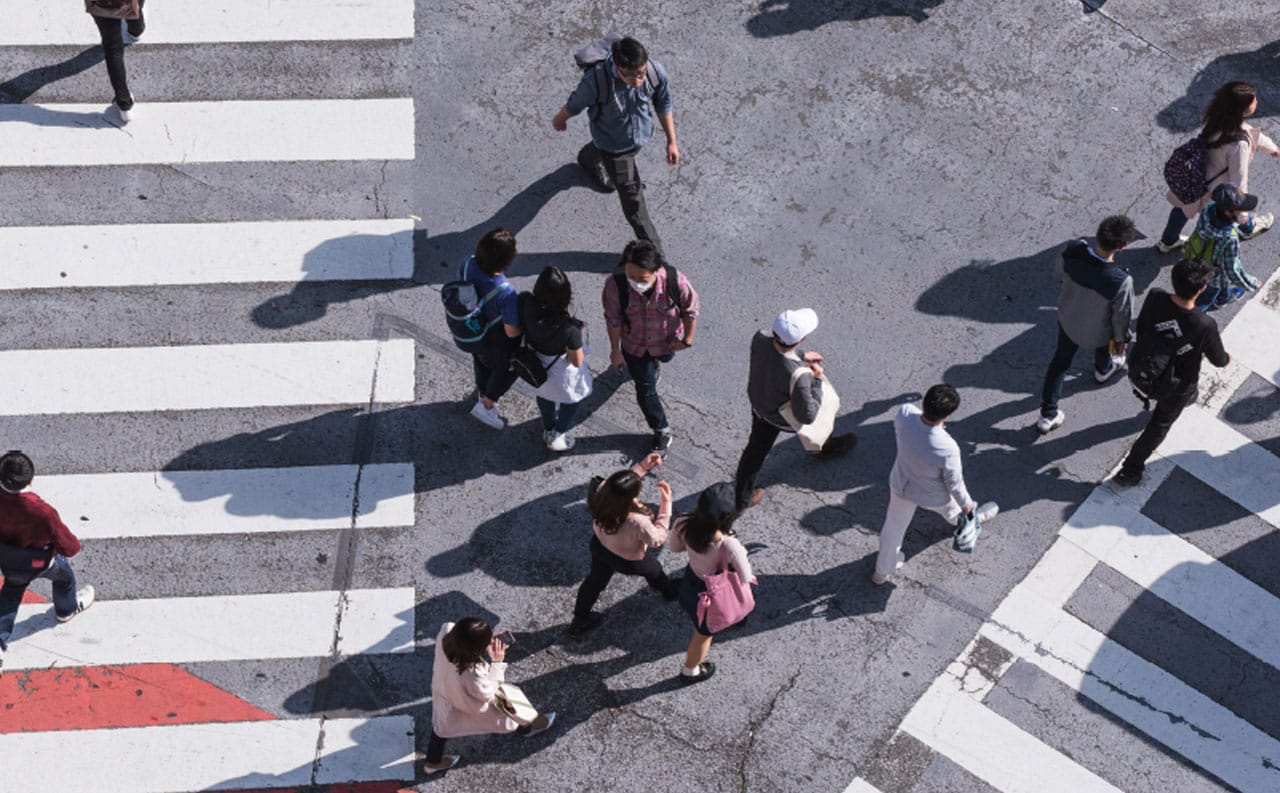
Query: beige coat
[[462, 704], [1235, 158]]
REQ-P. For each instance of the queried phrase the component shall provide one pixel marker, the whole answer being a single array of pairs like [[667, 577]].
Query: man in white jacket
[[926, 473]]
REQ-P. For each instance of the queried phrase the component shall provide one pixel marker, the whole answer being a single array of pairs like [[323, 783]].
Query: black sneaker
[[661, 441], [581, 627], [706, 668], [1127, 478], [671, 591]]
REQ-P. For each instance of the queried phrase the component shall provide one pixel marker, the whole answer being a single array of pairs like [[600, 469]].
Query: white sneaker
[[1182, 240], [879, 580], [1050, 423], [125, 116], [560, 442], [1261, 222], [987, 511], [1112, 368], [84, 599], [489, 416]]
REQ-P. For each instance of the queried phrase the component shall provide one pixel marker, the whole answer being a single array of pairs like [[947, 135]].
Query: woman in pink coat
[[1231, 145], [464, 683]]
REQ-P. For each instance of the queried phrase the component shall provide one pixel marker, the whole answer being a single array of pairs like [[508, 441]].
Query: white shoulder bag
[[813, 436]]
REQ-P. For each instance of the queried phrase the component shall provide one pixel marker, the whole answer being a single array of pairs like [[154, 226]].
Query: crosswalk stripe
[[237, 501], [48, 257], [1251, 337], [231, 756], [1142, 694], [860, 785], [225, 628], [1179, 573], [951, 721], [198, 22], [195, 377], [187, 132], [1229, 462]]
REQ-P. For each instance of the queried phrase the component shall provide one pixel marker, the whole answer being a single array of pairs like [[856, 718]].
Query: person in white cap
[[771, 386]]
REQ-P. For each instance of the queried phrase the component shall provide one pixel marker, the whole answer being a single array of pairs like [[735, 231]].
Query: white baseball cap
[[792, 325]]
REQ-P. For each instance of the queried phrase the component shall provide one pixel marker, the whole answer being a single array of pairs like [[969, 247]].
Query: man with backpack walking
[[1095, 311], [1164, 364], [622, 90], [650, 311], [34, 543]]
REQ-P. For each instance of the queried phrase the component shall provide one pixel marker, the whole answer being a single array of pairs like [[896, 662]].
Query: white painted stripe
[[102, 380], [46, 257], [198, 22], [187, 132], [1152, 700], [238, 501], [229, 756], [1178, 572], [1060, 572], [950, 721], [1251, 336], [226, 628], [860, 785], [1229, 462]]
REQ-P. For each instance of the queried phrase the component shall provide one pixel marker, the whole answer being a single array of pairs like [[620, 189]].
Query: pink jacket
[[462, 704], [1235, 158]]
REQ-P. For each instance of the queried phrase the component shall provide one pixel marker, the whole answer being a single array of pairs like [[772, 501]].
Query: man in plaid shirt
[[650, 311]]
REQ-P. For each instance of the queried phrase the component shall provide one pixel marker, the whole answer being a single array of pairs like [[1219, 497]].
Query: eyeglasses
[[629, 74]]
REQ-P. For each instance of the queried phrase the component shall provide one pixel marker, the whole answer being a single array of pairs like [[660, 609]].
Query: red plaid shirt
[[653, 322]]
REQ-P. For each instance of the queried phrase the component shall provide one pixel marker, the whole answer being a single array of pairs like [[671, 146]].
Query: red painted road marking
[[29, 596], [96, 697]]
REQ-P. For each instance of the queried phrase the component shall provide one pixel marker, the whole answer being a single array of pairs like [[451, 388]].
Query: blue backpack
[[464, 310]]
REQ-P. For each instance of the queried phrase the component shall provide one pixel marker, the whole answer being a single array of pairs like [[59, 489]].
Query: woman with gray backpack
[[1220, 153]]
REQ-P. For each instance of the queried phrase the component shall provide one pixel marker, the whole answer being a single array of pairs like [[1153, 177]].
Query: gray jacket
[[769, 384], [1096, 303]]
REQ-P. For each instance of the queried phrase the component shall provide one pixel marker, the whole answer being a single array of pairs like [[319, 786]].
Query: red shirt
[[27, 522]]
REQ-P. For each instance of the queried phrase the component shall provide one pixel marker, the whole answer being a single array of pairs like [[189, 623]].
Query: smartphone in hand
[[506, 638]]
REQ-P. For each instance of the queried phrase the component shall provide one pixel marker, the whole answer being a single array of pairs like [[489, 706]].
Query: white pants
[[896, 520]]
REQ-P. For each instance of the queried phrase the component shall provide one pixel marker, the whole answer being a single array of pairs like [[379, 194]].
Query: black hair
[[466, 642], [496, 250], [16, 471], [553, 291], [1116, 232], [783, 344], [642, 253], [629, 53], [1189, 277], [713, 513], [1226, 111], [615, 500], [940, 401]]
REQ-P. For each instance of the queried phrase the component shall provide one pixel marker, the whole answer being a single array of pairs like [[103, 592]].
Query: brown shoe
[[756, 495], [837, 445]]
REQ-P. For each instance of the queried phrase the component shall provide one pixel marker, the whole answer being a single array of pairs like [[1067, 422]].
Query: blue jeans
[[1058, 367], [557, 416], [16, 582], [644, 372]]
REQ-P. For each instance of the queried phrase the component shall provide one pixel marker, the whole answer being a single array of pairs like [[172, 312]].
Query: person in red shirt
[[34, 543]]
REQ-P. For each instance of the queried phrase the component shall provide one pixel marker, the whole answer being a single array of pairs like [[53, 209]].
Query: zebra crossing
[[1216, 741], [209, 738]]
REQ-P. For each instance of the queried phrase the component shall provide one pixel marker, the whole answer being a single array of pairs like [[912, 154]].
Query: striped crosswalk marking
[[860, 785], [191, 132], [104, 380], [224, 628], [234, 756], [1251, 336], [197, 22], [48, 257], [238, 501]]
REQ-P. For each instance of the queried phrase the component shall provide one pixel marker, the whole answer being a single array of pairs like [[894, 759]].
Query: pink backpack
[[727, 600]]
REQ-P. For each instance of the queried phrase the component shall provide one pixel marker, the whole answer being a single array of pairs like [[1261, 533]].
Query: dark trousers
[[1162, 418], [435, 748], [493, 377], [604, 563], [763, 434], [626, 177], [1173, 229], [15, 566], [112, 33], [1052, 391], [557, 416], [644, 372]]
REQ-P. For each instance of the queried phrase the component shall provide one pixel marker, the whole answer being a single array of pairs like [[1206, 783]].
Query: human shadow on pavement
[[437, 255], [1258, 67], [22, 87], [784, 17]]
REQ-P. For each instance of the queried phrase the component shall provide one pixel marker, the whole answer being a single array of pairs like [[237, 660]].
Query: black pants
[[604, 563], [626, 177], [112, 34], [435, 748], [1062, 356], [493, 377], [763, 434], [1162, 418]]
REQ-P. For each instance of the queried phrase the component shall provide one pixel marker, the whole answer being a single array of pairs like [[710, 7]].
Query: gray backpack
[[591, 57]]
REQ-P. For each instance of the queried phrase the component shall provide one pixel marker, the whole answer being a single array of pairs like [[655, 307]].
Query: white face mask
[[641, 286]]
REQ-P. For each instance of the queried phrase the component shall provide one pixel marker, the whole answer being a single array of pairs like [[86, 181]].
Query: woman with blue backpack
[[1220, 153]]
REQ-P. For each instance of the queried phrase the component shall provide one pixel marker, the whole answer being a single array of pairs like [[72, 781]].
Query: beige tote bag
[[813, 436]]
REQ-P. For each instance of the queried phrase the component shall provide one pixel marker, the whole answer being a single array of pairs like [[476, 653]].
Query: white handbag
[[814, 435]]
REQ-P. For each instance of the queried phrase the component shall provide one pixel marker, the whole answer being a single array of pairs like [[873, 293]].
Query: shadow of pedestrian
[[784, 17], [21, 88], [1259, 67]]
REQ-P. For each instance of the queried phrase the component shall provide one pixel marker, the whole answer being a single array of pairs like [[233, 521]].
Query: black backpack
[[591, 57], [1153, 370], [463, 311], [624, 290]]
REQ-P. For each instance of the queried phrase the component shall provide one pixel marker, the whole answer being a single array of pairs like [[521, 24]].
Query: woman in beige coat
[[463, 686], [1231, 145]]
